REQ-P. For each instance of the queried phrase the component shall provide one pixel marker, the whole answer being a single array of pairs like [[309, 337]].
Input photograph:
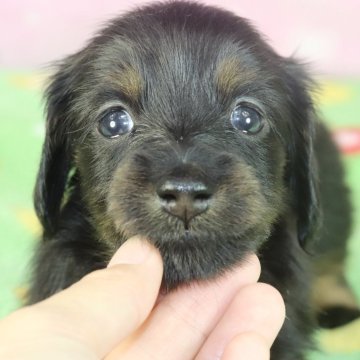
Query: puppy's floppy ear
[[302, 167], [57, 153]]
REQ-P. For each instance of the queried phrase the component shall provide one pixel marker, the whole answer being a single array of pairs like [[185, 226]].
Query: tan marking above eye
[[129, 81], [231, 73]]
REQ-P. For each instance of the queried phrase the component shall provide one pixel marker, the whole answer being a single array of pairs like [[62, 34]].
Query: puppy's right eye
[[115, 123], [246, 119]]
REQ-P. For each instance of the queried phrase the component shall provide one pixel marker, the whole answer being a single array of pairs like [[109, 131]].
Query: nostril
[[202, 197], [201, 202], [167, 197]]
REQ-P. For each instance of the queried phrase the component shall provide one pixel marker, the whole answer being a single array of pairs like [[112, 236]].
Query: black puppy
[[179, 123]]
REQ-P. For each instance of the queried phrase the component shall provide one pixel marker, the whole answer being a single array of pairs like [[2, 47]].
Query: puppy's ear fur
[[302, 167], [57, 153]]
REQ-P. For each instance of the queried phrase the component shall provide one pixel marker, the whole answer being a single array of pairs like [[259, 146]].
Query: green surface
[[21, 134], [20, 142]]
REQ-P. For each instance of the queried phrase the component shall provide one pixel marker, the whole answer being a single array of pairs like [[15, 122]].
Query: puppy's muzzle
[[184, 199]]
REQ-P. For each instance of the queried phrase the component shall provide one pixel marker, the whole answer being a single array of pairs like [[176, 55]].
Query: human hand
[[111, 314]]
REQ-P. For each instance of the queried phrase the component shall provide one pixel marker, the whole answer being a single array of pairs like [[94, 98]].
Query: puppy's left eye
[[246, 119], [115, 123]]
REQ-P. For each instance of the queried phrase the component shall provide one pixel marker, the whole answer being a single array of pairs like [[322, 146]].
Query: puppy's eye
[[115, 123], [246, 119]]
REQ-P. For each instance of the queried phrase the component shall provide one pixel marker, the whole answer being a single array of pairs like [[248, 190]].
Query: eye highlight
[[246, 119], [117, 122]]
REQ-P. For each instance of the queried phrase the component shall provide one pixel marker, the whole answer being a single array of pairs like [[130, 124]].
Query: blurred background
[[34, 33]]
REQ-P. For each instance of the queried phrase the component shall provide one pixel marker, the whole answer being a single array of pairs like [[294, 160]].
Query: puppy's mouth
[[181, 225]]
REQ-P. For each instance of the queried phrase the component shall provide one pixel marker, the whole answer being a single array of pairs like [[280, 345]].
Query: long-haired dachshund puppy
[[178, 122]]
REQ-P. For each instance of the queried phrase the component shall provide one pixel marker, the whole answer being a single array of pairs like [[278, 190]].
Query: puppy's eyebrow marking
[[129, 82], [230, 74]]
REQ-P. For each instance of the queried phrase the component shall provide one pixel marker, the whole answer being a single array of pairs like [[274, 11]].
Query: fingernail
[[134, 251]]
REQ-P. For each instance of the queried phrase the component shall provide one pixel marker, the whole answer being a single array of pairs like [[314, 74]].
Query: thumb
[[107, 305]]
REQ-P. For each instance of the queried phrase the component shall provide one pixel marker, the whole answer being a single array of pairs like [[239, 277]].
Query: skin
[[117, 313]]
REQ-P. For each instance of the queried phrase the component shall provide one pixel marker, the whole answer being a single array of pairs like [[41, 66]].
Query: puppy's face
[[180, 129]]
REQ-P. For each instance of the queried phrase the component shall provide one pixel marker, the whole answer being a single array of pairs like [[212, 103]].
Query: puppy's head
[[179, 123]]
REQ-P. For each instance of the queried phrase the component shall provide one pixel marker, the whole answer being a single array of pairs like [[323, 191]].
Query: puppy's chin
[[193, 256]]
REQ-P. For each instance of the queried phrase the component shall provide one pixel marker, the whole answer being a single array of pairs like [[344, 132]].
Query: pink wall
[[325, 32]]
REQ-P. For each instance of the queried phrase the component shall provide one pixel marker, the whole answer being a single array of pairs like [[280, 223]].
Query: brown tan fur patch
[[330, 287], [230, 73], [128, 80]]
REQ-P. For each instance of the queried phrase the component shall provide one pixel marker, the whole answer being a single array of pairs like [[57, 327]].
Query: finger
[[256, 308], [249, 346], [180, 323], [107, 305]]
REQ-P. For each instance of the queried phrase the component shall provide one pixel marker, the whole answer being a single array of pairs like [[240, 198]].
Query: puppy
[[178, 122]]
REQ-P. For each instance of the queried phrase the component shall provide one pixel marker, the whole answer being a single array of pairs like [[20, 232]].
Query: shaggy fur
[[179, 69]]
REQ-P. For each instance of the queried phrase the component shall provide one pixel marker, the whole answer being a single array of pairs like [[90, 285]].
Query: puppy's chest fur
[[179, 123]]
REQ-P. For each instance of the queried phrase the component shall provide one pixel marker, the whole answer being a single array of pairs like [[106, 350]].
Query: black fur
[[171, 66]]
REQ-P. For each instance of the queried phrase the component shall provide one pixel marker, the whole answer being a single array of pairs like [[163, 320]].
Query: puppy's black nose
[[184, 199]]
